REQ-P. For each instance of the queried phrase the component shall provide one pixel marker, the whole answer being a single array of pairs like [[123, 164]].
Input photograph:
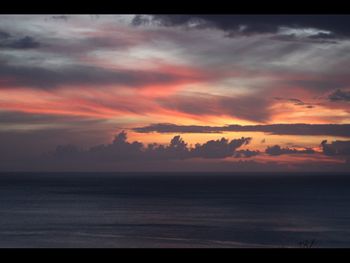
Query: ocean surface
[[157, 210]]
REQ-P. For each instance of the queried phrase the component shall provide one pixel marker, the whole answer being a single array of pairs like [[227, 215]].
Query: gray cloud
[[120, 150], [26, 42], [336, 148], [320, 38], [60, 17], [339, 95], [17, 121], [254, 24], [278, 150], [121, 155], [296, 102], [173, 128], [254, 108], [247, 107], [4, 35], [323, 83], [280, 129], [40, 77], [246, 153], [219, 148]]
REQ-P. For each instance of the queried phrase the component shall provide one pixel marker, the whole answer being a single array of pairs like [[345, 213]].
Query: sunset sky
[[114, 92]]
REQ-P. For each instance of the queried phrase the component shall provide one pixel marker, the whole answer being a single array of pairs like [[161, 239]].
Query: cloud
[[173, 128], [248, 107], [40, 77], [325, 38], [277, 150], [280, 129], [120, 150], [296, 102], [320, 38], [322, 83], [219, 148], [122, 155], [333, 25], [336, 148], [66, 151], [339, 95], [26, 42], [60, 17], [4, 35], [246, 153]]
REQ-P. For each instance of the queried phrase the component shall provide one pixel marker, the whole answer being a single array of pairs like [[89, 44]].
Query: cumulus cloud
[[278, 150], [122, 155], [280, 129], [120, 150], [219, 148]]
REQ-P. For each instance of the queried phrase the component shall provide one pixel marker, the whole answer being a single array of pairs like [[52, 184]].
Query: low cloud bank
[[120, 150], [278, 129]]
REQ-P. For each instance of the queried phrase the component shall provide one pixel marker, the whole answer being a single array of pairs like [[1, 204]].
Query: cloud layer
[[334, 25], [280, 129], [75, 80]]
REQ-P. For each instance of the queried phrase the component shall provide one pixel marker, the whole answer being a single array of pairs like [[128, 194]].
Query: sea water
[[156, 210]]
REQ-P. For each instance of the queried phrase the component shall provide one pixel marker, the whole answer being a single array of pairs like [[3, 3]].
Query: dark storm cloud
[[40, 77], [279, 129], [120, 150], [339, 95], [255, 24], [26, 42], [278, 150], [336, 148]]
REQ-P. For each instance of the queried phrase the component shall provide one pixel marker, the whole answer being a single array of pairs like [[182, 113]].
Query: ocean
[[174, 210]]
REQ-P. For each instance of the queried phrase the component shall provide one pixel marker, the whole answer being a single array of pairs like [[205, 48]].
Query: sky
[[175, 93]]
